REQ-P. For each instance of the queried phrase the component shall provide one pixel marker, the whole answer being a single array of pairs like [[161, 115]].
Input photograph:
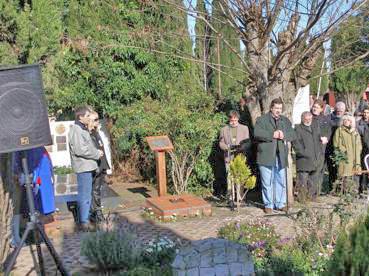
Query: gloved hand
[[234, 147]]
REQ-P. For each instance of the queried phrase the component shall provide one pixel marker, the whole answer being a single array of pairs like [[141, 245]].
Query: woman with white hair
[[347, 141]]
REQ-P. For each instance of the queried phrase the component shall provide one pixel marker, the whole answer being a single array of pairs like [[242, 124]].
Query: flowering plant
[[160, 251], [148, 213], [259, 235]]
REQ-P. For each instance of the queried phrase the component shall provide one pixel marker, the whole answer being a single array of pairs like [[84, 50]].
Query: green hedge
[[351, 254]]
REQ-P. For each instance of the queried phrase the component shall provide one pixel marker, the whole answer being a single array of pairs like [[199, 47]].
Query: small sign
[[159, 143], [24, 141]]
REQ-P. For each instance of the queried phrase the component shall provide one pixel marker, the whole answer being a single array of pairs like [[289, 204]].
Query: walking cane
[[286, 179], [366, 159]]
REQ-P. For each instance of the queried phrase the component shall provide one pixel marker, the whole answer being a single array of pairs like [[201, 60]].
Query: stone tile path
[[67, 241]]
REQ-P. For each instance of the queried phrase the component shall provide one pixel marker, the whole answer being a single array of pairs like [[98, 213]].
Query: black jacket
[[325, 125], [102, 162], [308, 147], [268, 147], [361, 125]]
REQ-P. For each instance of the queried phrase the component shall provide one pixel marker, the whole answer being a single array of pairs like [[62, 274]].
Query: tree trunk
[[6, 209]]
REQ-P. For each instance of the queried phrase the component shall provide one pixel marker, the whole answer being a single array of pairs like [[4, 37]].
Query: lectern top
[[159, 143]]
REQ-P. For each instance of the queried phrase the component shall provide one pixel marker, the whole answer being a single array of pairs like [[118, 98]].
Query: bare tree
[[283, 40]]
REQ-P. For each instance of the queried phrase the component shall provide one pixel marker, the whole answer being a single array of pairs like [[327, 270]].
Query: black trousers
[[97, 183], [307, 184], [319, 177], [363, 183]]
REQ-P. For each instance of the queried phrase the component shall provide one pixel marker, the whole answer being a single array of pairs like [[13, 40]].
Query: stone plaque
[[60, 129]]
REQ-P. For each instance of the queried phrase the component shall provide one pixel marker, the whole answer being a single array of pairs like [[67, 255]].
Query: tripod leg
[[13, 259], [52, 251], [39, 253]]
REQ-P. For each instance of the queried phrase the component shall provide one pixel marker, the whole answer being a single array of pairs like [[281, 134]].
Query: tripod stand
[[35, 226]]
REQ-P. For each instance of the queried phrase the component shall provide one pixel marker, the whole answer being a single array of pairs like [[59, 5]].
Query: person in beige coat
[[234, 139], [348, 142]]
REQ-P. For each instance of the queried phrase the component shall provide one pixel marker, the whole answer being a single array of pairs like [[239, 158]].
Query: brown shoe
[[283, 209], [268, 210], [86, 227]]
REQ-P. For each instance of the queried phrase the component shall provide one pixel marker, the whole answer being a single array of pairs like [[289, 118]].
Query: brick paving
[[67, 241]]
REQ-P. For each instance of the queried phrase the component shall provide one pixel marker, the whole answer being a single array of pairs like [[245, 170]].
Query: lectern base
[[178, 205]]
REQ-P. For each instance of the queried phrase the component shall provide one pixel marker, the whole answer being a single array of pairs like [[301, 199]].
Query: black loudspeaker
[[24, 122]]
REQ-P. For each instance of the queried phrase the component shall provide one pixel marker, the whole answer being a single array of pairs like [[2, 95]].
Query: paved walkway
[[129, 214]]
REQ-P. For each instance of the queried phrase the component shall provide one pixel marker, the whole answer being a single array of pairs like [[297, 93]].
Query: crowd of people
[[336, 143], [90, 163]]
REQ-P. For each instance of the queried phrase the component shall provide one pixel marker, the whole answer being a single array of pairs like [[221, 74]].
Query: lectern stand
[[166, 206]]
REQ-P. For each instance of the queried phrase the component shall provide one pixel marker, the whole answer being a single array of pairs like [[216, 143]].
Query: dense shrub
[[350, 256], [188, 118], [120, 57], [112, 250], [295, 258], [119, 252]]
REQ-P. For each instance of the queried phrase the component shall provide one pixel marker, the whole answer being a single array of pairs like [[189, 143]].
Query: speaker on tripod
[[24, 121], [24, 125]]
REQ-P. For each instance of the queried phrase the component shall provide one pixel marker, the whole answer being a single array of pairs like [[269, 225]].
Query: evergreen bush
[[241, 176], [350, 256]]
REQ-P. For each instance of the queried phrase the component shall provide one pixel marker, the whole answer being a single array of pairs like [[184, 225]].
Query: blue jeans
[[84, 181], [273, 180]]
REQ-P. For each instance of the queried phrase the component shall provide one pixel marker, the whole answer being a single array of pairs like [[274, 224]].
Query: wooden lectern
[[160, 145], [169, 206]]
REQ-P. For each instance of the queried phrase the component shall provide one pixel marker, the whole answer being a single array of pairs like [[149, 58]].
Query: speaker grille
[[23, 114]]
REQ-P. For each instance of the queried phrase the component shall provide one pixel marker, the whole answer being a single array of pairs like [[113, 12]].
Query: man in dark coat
[[324, 123], [99, 174], [362, 124], [273, 131], [308, 149], [363, 129], [335, 119]]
